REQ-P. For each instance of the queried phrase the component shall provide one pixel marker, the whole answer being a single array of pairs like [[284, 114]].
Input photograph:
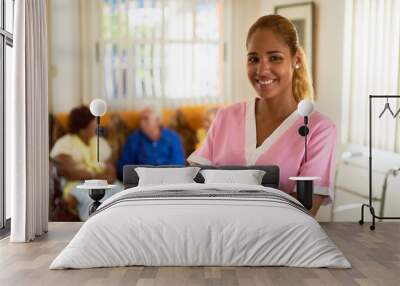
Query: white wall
[[244, 14], [65, 55]]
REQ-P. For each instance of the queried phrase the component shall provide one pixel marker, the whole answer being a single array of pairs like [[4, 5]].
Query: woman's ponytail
[[302, 84]]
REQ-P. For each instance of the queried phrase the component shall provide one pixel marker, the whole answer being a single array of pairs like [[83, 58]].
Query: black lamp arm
[[98, 136], [303, 131]]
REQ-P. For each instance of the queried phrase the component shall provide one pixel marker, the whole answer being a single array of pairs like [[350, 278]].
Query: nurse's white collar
[[252, 152]]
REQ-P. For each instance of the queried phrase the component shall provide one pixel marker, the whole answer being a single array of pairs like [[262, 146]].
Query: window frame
[[121, 102], [6, 39]]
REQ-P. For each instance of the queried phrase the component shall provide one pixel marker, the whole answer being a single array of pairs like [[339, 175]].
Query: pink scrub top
[[232, 139]]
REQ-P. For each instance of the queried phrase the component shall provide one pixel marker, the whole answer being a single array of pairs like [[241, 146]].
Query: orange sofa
[[185, 120], [194, 115]]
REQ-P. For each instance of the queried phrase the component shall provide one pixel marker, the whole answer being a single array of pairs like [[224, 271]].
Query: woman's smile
[[263, 84]]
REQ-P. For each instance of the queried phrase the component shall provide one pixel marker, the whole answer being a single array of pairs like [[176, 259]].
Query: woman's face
[[269, 64]]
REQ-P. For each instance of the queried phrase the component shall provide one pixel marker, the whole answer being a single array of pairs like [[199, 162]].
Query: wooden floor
[[374, 255]]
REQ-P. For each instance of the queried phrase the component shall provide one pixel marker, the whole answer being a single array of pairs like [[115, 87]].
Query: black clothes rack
[[369, 205]]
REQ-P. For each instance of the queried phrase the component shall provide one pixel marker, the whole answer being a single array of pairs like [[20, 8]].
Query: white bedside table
[[96, 193]]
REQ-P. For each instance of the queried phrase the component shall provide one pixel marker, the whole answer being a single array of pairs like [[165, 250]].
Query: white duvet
[[200, 231]]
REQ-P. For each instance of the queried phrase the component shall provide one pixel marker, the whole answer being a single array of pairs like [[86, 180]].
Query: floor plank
[[374, 255]]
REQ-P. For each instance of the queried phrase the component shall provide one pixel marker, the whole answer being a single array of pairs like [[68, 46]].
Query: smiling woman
[[264, 130]]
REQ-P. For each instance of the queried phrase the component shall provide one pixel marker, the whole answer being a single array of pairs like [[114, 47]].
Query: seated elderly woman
[[75, 155]]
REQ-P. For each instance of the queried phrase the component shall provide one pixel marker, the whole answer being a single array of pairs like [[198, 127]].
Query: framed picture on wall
[[302, 16]]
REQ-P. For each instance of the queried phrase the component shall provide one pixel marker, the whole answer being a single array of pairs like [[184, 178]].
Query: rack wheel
[[372, 227], [361, 222]]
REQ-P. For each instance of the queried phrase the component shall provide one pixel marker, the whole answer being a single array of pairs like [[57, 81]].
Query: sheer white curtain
[[371, 68], [27, 124]]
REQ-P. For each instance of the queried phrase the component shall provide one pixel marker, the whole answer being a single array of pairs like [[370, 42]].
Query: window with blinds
[[371, 67], [162, 49]]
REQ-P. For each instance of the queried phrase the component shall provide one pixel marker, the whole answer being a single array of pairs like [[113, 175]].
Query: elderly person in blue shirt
[[152, 144]]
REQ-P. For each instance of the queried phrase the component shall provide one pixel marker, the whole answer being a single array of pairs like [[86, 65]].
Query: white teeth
[[266, 81]]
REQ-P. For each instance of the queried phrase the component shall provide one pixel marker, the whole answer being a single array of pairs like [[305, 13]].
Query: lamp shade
[[305, 107], [98, 107]]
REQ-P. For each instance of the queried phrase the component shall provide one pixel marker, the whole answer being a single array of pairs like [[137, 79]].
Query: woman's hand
[[317, 201]]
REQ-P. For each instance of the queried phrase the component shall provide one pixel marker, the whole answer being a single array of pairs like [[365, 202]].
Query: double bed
[[201, 224]]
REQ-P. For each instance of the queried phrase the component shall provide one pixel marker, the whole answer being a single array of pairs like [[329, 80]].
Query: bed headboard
[[270, 179]]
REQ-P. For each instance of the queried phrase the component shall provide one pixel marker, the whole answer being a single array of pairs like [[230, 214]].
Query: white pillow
[[163, 176], [249, 177]]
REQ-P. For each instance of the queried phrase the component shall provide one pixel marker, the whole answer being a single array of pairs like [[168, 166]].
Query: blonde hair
[[301, 83]]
